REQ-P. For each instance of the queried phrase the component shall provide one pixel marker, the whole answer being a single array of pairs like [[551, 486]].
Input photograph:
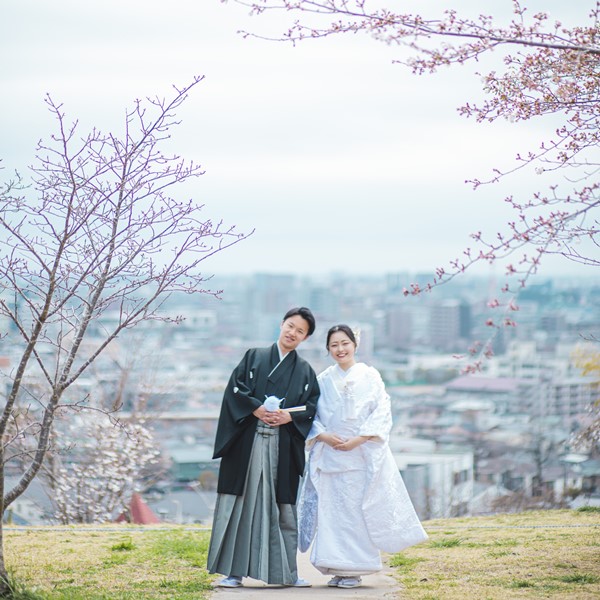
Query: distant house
[[509, 395], [33, 507], [518, 474], [484, 498], [565, 397], [590, 475], [189, 462], [515, 473], [24, 511], [187, 506], [138, 512]]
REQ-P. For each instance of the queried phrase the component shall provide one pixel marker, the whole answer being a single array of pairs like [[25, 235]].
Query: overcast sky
[[339, 159]]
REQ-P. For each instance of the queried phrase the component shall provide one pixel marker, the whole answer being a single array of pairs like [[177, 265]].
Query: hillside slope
[[545, 554]]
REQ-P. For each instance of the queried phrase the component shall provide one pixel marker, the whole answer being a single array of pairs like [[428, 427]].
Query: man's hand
[[282, 417], [262, 413], [274, 418]]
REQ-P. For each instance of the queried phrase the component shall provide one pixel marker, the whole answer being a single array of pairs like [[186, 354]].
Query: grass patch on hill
[[542, 554], [120, 563], [545, 554]]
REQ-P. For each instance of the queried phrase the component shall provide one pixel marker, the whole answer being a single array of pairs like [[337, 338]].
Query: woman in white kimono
[[353, 503]]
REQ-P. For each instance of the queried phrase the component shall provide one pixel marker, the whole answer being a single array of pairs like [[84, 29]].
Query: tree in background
[[88, 250], [587, 358], [541, 69], [99, 468], [98, 458]]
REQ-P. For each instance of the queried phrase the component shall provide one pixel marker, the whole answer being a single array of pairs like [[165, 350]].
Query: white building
[[440, 483]]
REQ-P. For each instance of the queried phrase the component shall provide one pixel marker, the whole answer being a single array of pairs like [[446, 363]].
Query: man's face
[[293, 331]]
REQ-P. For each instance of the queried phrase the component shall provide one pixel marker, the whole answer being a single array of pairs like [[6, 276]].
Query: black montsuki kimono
[[249, 384]]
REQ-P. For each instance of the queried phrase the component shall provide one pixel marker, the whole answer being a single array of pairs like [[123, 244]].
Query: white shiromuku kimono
[[354, 503]]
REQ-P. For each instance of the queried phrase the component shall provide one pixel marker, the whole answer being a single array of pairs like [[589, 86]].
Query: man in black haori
[[254, 530]]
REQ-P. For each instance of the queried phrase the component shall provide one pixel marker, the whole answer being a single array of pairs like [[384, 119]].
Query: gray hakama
[[252, 535]]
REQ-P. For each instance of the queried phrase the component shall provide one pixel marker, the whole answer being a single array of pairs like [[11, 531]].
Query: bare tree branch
[[97, 231]]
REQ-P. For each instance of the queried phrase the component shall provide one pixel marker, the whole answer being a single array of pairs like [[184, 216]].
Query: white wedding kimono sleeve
[[317, 428], [378, 423], [388, 511], [392, 522]]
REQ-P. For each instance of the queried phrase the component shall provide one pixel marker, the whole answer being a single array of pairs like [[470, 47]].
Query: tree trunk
[[5, 591]]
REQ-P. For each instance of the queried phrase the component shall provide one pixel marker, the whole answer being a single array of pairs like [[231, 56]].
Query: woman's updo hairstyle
[[344, 329]]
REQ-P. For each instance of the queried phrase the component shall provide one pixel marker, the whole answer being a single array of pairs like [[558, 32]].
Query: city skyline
[[484, 427]]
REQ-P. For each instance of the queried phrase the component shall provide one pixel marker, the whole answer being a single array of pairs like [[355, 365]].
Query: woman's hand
[[350, 444], [330, 439]]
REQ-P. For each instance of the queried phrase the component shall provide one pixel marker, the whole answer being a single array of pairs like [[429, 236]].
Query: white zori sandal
[[349, 582]]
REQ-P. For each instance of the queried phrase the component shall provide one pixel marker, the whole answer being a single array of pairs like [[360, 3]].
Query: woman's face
[[342, 349]]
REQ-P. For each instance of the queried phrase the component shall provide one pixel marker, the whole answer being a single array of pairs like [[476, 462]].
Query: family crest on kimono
[[353, 502], [262, 459]]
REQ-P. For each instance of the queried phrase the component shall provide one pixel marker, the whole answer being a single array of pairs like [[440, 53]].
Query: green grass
[[402, 562], [590, 509], [123, 546], [519, 584], [546, 554], [582, 578], [445, 543], [87, 564], [533, 555]]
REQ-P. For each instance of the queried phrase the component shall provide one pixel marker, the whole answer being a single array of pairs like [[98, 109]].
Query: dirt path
[[379, 585]]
